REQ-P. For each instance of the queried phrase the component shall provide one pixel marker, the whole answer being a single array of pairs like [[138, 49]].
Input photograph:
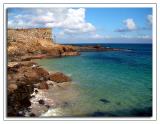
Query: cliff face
[[31, 42]]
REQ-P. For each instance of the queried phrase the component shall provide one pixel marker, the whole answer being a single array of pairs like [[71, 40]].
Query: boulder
[[51, 83], [18, 98], [42, 73], [43, 85], [41, 102], [12, 88], [59, 77], [32, 75], [13, 67]]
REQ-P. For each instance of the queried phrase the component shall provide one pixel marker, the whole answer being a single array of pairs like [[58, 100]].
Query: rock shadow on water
[[105, 101], [135, 112], [65, 104], [118, 103]]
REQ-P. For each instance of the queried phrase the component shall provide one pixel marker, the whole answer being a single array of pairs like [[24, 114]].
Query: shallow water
[[117, 83]]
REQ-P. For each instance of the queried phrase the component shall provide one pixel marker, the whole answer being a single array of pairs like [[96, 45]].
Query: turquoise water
[[115, 83]]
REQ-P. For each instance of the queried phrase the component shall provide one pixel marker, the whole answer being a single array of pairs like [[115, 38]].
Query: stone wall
[[29, 34]]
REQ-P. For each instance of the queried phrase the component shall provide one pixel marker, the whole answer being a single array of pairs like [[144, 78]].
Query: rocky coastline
[[23, 78], [24, 75]]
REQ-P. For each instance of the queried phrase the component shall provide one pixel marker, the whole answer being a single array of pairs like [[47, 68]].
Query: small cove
[[115, 83]]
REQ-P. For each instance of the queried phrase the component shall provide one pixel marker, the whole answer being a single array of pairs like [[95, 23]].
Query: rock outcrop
[[21, 79], [96, 48], [26, 44], [25, 75], [59, 77], [37, 43]]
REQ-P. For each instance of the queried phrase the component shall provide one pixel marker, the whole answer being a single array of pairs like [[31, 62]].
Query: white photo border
[[84, 5]]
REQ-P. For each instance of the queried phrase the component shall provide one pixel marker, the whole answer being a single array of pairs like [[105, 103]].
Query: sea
[[106, 83]]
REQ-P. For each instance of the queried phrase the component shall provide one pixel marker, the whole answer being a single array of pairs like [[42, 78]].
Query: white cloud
[[82, 37], [68, 20], [145, 37], [136, 37], [100, 37], [130, 24], [126, 36], [71, 23], [149, 18]]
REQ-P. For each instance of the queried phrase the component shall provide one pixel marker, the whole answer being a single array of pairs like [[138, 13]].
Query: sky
[[87, 25]]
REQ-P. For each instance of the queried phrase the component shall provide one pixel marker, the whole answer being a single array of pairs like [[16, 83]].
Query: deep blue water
[[114, 83]]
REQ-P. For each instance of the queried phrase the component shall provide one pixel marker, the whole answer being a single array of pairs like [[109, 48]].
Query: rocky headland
[[25, 75], [26, 44]]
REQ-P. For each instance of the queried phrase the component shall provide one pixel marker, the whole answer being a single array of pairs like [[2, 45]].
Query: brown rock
[[53, 52], [70, 54], [32, 75], [59, 77], [12, 88], [42, 73], [13, 67], [26, 58], [19, 99], [43, 85], [26, 102]]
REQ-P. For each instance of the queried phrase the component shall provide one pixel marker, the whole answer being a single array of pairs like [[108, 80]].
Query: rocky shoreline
[[25, 75], [23, 79], [97, 48]]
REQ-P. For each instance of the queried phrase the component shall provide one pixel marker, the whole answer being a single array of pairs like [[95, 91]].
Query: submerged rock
[[20, 114], [104, 101], [118, 103], [41, 102], [65, 104], [47, 106], [32, 115], [36, 91], [59, 77]]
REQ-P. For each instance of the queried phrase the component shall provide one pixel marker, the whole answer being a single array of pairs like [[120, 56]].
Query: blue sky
[[88, 25]]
